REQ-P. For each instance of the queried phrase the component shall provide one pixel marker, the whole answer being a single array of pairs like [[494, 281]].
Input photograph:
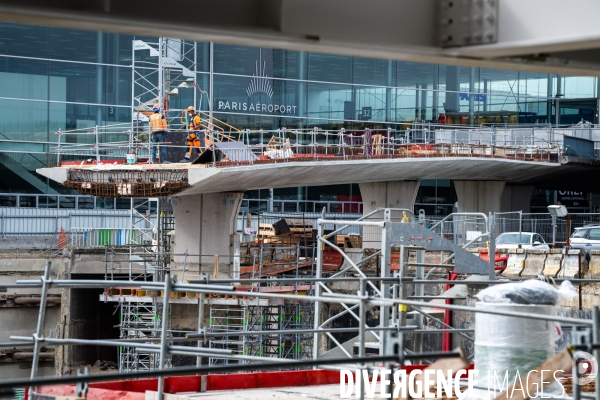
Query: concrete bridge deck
[[198, 179]]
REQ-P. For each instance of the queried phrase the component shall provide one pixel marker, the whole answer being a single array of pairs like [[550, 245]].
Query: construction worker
[[158, 128], [193, 140]]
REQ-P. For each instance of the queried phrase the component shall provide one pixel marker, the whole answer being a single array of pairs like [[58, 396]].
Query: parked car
[[527, 240], [587, 238]]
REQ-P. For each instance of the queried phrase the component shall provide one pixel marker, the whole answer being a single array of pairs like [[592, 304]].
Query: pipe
[[35, 300], [28, 355], [446, 338]]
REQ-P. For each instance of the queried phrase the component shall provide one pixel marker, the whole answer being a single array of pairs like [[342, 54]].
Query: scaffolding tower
[[262, 319], [227, 319], [160, 70], [150, 247], [139, 321]]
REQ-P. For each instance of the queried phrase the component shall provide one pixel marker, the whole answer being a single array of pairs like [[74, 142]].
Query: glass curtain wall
[[53, 78]]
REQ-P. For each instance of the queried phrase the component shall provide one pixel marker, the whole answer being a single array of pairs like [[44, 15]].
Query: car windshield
[[580, 233], [513, 238]]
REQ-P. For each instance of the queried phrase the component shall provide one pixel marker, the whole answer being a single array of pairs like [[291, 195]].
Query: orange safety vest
[[195, 124], [157, 123], [193, 140]]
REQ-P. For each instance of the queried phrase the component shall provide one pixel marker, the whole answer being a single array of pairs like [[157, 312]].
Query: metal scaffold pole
[[163, 334], [318, 275], [38, 336]]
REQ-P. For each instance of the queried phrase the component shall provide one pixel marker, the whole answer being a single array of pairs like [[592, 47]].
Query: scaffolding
[[226, 319], [264, 330], [282, 319], [140, 321], [160, 70]]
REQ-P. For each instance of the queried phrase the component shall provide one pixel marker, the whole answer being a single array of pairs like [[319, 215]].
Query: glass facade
[[53, 78]]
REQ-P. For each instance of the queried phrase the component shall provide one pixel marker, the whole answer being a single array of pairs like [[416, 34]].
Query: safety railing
[[112, 143]]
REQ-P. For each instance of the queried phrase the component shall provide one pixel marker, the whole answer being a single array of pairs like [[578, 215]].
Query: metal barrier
[[40, 222], [300, 206], [539, 143], [109, 226], [69, 202], [101, 237], [552, 229]]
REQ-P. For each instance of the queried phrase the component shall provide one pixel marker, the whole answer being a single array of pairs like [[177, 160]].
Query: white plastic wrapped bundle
[[512, 344]]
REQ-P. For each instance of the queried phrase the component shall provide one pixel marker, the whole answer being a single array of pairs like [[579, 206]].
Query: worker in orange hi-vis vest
[[195, 139], [158, 129]]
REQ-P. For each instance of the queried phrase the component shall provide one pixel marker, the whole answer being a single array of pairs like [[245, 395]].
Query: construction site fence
[[115, 142], [35, 221], [97, 228], [99, 237], [301, 206], [73, 202], [460, 230], [552, 229], [307, 218], [43, 215]]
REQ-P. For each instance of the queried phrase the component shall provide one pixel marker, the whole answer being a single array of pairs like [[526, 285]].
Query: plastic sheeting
[[527, 292], [510, 344]]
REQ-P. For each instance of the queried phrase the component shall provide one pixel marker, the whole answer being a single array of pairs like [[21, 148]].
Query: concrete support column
[[479, 196], [388, 195], [385, 195], [205, 225]]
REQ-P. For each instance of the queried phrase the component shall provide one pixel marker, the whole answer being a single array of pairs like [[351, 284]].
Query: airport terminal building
[[61, 79]]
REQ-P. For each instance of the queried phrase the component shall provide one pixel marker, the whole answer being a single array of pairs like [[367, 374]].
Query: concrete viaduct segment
[[207, 205]]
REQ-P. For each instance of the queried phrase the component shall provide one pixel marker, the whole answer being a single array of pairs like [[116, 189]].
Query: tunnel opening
[[91, 318]]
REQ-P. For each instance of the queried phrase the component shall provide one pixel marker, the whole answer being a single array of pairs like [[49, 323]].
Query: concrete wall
[[203, 226], [22, 320]]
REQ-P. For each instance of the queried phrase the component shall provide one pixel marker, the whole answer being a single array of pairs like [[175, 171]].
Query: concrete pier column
[[388, 195], [479, 196], [385, 195], [205, 226]]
